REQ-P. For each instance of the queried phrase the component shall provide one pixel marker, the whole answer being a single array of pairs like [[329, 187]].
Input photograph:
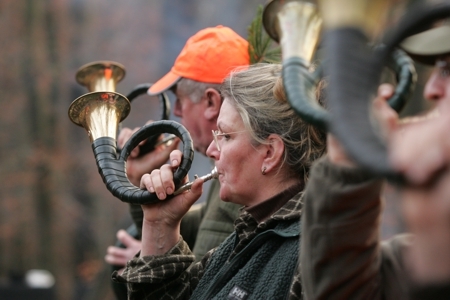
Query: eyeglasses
[[443, 67], [217, 134]]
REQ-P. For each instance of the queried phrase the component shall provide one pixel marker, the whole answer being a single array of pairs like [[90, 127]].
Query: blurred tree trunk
[[40, 118], [42, 157]]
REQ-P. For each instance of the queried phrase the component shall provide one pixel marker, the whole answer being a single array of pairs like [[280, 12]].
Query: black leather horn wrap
[[113, 169]]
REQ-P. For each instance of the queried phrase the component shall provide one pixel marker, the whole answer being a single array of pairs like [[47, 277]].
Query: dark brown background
[[55, 212]]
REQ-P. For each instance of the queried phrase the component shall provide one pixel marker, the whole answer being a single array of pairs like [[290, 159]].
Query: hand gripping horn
[[297, 26], [352, 86], [141, 89], [100, 112]]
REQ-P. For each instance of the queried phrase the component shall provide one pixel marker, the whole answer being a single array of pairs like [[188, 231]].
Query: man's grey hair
[[194, 89]]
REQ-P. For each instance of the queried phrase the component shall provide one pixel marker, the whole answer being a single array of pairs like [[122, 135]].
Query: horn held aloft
[[100, 111]]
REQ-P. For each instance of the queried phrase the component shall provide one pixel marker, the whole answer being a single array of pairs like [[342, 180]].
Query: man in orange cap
[[204, 62], [206, 59]]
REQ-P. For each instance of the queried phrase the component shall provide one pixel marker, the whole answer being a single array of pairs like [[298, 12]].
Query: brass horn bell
[[102, 109]]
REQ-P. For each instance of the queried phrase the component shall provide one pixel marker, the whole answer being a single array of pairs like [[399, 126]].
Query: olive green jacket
[[341, 254]]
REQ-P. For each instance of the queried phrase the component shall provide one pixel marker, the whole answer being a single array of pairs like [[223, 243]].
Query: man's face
[[421, 147], [425, 154], [193, 118]]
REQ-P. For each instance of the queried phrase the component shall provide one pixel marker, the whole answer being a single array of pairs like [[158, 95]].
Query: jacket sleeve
[[169, 276], [341, 255]]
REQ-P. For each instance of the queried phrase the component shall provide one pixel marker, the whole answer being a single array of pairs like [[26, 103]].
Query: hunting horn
[[100, 111], [354, 85], [297, 26]]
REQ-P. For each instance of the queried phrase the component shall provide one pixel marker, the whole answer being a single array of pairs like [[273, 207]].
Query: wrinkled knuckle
[[154, 173]]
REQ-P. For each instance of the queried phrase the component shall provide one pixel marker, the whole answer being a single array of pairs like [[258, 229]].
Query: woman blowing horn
[[263, 152]]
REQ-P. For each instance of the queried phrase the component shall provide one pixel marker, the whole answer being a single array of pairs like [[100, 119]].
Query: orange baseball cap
[[208, 56]]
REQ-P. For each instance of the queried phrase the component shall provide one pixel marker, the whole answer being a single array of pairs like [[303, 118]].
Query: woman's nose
[[212, 151]]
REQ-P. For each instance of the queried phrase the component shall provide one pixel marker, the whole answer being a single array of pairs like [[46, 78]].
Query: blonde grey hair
[[194, 89], [257, 93]]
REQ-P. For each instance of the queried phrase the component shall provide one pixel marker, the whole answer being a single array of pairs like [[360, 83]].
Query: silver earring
[[263, 171]]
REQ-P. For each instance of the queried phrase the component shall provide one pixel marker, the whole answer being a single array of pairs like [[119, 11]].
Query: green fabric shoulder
[[217, 222]]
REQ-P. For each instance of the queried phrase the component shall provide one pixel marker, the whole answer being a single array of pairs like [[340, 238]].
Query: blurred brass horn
[[100, 111], [296, 26], [352, 86]]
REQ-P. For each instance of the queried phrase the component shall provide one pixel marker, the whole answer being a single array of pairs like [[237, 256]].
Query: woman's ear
[[273, 155], [213, 102]]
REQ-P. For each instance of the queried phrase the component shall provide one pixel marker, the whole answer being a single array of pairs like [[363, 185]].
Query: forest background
[[55, 212]]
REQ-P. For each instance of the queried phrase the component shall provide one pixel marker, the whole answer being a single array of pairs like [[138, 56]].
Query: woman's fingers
[[166, 177], [175, 158], [146, 183], [197, 188], [159, 182], [191, 196]]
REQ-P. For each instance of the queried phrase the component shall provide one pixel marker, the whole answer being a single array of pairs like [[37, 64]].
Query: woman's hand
[[161, 226]]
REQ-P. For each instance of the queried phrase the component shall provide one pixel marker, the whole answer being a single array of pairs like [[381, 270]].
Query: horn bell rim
[[80, 104]]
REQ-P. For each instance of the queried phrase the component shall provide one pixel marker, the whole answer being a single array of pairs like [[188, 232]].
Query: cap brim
[[426, 46], [162, 85]]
